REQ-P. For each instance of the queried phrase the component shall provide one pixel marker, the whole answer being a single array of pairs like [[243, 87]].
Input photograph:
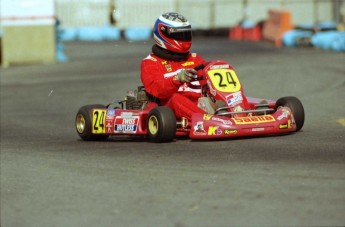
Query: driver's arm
[[153, 79]]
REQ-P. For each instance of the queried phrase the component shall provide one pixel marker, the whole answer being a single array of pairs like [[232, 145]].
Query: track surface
[[49, 177]]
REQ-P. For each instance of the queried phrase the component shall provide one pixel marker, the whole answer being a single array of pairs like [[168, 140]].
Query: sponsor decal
[[234, 99], [207, 117], [230, 131], [214, 130], [226, 122], [285, 126], [254, 119], [257, 129], [188, 63], [110, 114], [126, 124], [285, 114], [168, 68], [199, 128], [124, 114], [164, 62], [109, 126], [226, 66]]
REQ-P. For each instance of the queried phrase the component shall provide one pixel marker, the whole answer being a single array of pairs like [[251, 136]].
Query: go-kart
[[228, 112]]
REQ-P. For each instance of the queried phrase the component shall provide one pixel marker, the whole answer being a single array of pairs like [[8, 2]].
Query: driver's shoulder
[[196, 58], [150, 57]]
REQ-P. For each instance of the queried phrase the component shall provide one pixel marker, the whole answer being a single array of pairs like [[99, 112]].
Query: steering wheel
[[197, 78]]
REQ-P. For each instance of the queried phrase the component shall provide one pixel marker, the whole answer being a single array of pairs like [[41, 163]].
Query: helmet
[[173, 32]]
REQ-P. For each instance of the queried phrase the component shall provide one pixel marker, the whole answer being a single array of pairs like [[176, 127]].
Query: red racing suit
[[159, 77]]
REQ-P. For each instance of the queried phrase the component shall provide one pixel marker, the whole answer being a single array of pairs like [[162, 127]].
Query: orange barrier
[[240, 33], [278, 22], [252, 34], [236, 33]]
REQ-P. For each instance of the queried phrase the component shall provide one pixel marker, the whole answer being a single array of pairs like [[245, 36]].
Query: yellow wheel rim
[[153, 125], [80, 123]]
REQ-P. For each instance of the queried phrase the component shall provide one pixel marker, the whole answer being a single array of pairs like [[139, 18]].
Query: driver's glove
[[186, 75]]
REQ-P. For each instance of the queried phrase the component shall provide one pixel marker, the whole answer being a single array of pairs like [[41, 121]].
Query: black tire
[[83, 123], [161, 124], [296, 107]]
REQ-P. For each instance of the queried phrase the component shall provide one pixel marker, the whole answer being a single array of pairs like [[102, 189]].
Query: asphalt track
[[49, 177]]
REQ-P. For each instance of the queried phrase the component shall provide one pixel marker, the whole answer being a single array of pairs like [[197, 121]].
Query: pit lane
[[49, 177]]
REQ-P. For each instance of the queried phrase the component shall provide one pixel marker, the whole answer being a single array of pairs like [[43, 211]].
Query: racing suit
[[159, 76]]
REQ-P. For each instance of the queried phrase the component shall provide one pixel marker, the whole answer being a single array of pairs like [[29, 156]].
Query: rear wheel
[[83, 123], [296, 107], [161, 125]]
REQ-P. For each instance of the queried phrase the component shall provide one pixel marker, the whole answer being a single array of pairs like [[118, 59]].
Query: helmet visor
[[178, 33]]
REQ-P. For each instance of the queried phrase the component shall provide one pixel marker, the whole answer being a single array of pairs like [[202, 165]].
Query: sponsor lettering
[[230, 131], [126, 124], [226, 122], [254, 119], [188, 63], [214, 130], [220, 66], [126, 114], [234, 99], [125, 128], [258, 129], [208, 117]]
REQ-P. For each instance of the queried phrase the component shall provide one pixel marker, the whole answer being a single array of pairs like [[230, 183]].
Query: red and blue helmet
[[173, 32]]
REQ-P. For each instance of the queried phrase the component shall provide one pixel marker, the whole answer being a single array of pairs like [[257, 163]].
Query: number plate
[[98, 121], [224, 80]]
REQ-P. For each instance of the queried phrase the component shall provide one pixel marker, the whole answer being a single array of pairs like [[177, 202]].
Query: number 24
[[99, 121], [228, 78]]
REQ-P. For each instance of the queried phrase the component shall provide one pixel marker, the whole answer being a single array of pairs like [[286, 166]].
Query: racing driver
[[168, 70]]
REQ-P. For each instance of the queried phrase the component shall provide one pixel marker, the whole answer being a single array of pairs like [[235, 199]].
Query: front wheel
[[295, 106], [83, 123], [161, 124]]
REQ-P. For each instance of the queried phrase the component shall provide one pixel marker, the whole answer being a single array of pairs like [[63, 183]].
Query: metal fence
[[203, 14]]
